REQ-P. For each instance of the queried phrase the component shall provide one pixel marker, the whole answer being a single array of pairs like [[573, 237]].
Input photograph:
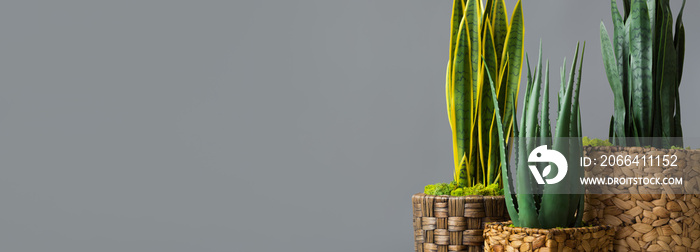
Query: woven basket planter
[[445, 223], [502, 237], [649, 222]]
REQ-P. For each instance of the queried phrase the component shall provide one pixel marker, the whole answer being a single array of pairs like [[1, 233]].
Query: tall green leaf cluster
[[550, 205], [644, 65], [482, 41]]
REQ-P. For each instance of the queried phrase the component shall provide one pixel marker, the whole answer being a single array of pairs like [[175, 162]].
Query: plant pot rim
[[552, 231], [472, 197]]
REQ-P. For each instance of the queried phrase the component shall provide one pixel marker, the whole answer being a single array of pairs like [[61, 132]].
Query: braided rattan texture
[[454, 224], [503, 237], [649, 222]]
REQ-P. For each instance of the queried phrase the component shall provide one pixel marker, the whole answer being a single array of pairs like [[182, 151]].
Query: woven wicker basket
[[502, 237], [451, 224], [649, 222]]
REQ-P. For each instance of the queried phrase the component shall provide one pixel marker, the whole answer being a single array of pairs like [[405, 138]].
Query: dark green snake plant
[[644, 65]]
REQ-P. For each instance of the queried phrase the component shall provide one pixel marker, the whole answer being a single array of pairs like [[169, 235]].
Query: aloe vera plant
[[559, 204], [482, 41], [644, 65]]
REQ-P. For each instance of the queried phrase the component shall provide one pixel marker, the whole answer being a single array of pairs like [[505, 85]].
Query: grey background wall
[[303, 125]]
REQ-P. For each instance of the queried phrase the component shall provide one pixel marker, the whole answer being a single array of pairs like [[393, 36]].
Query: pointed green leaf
[[666, 78], [457, 16], [641, 64], [514, 50], [533, 100], [502, 155], [526, 187], [500, 27], [544, 118], [462, 101], [564, 117], [552, 204], [679, 42], [562, 87], [575, 149], [611, 71], [619, 42], [573, 126], [473, 18]]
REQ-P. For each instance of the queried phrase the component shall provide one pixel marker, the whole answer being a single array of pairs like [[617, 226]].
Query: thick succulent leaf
[[527, 204], [575, 211], [529, 80], [502, 154], [525, 197], [575, 148], [581, 172], [564, 116], [521, 132], [533, 100], [525, 200], [546, 132], [503, 92], [532, 129], [641, 64], [579, 213], [611, 71], [573, 126], [579, 133], [562, 87], [552, 204]]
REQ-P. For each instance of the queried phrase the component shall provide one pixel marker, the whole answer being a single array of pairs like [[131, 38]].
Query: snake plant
[[482, 41], [644, 65], [537, 205]]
